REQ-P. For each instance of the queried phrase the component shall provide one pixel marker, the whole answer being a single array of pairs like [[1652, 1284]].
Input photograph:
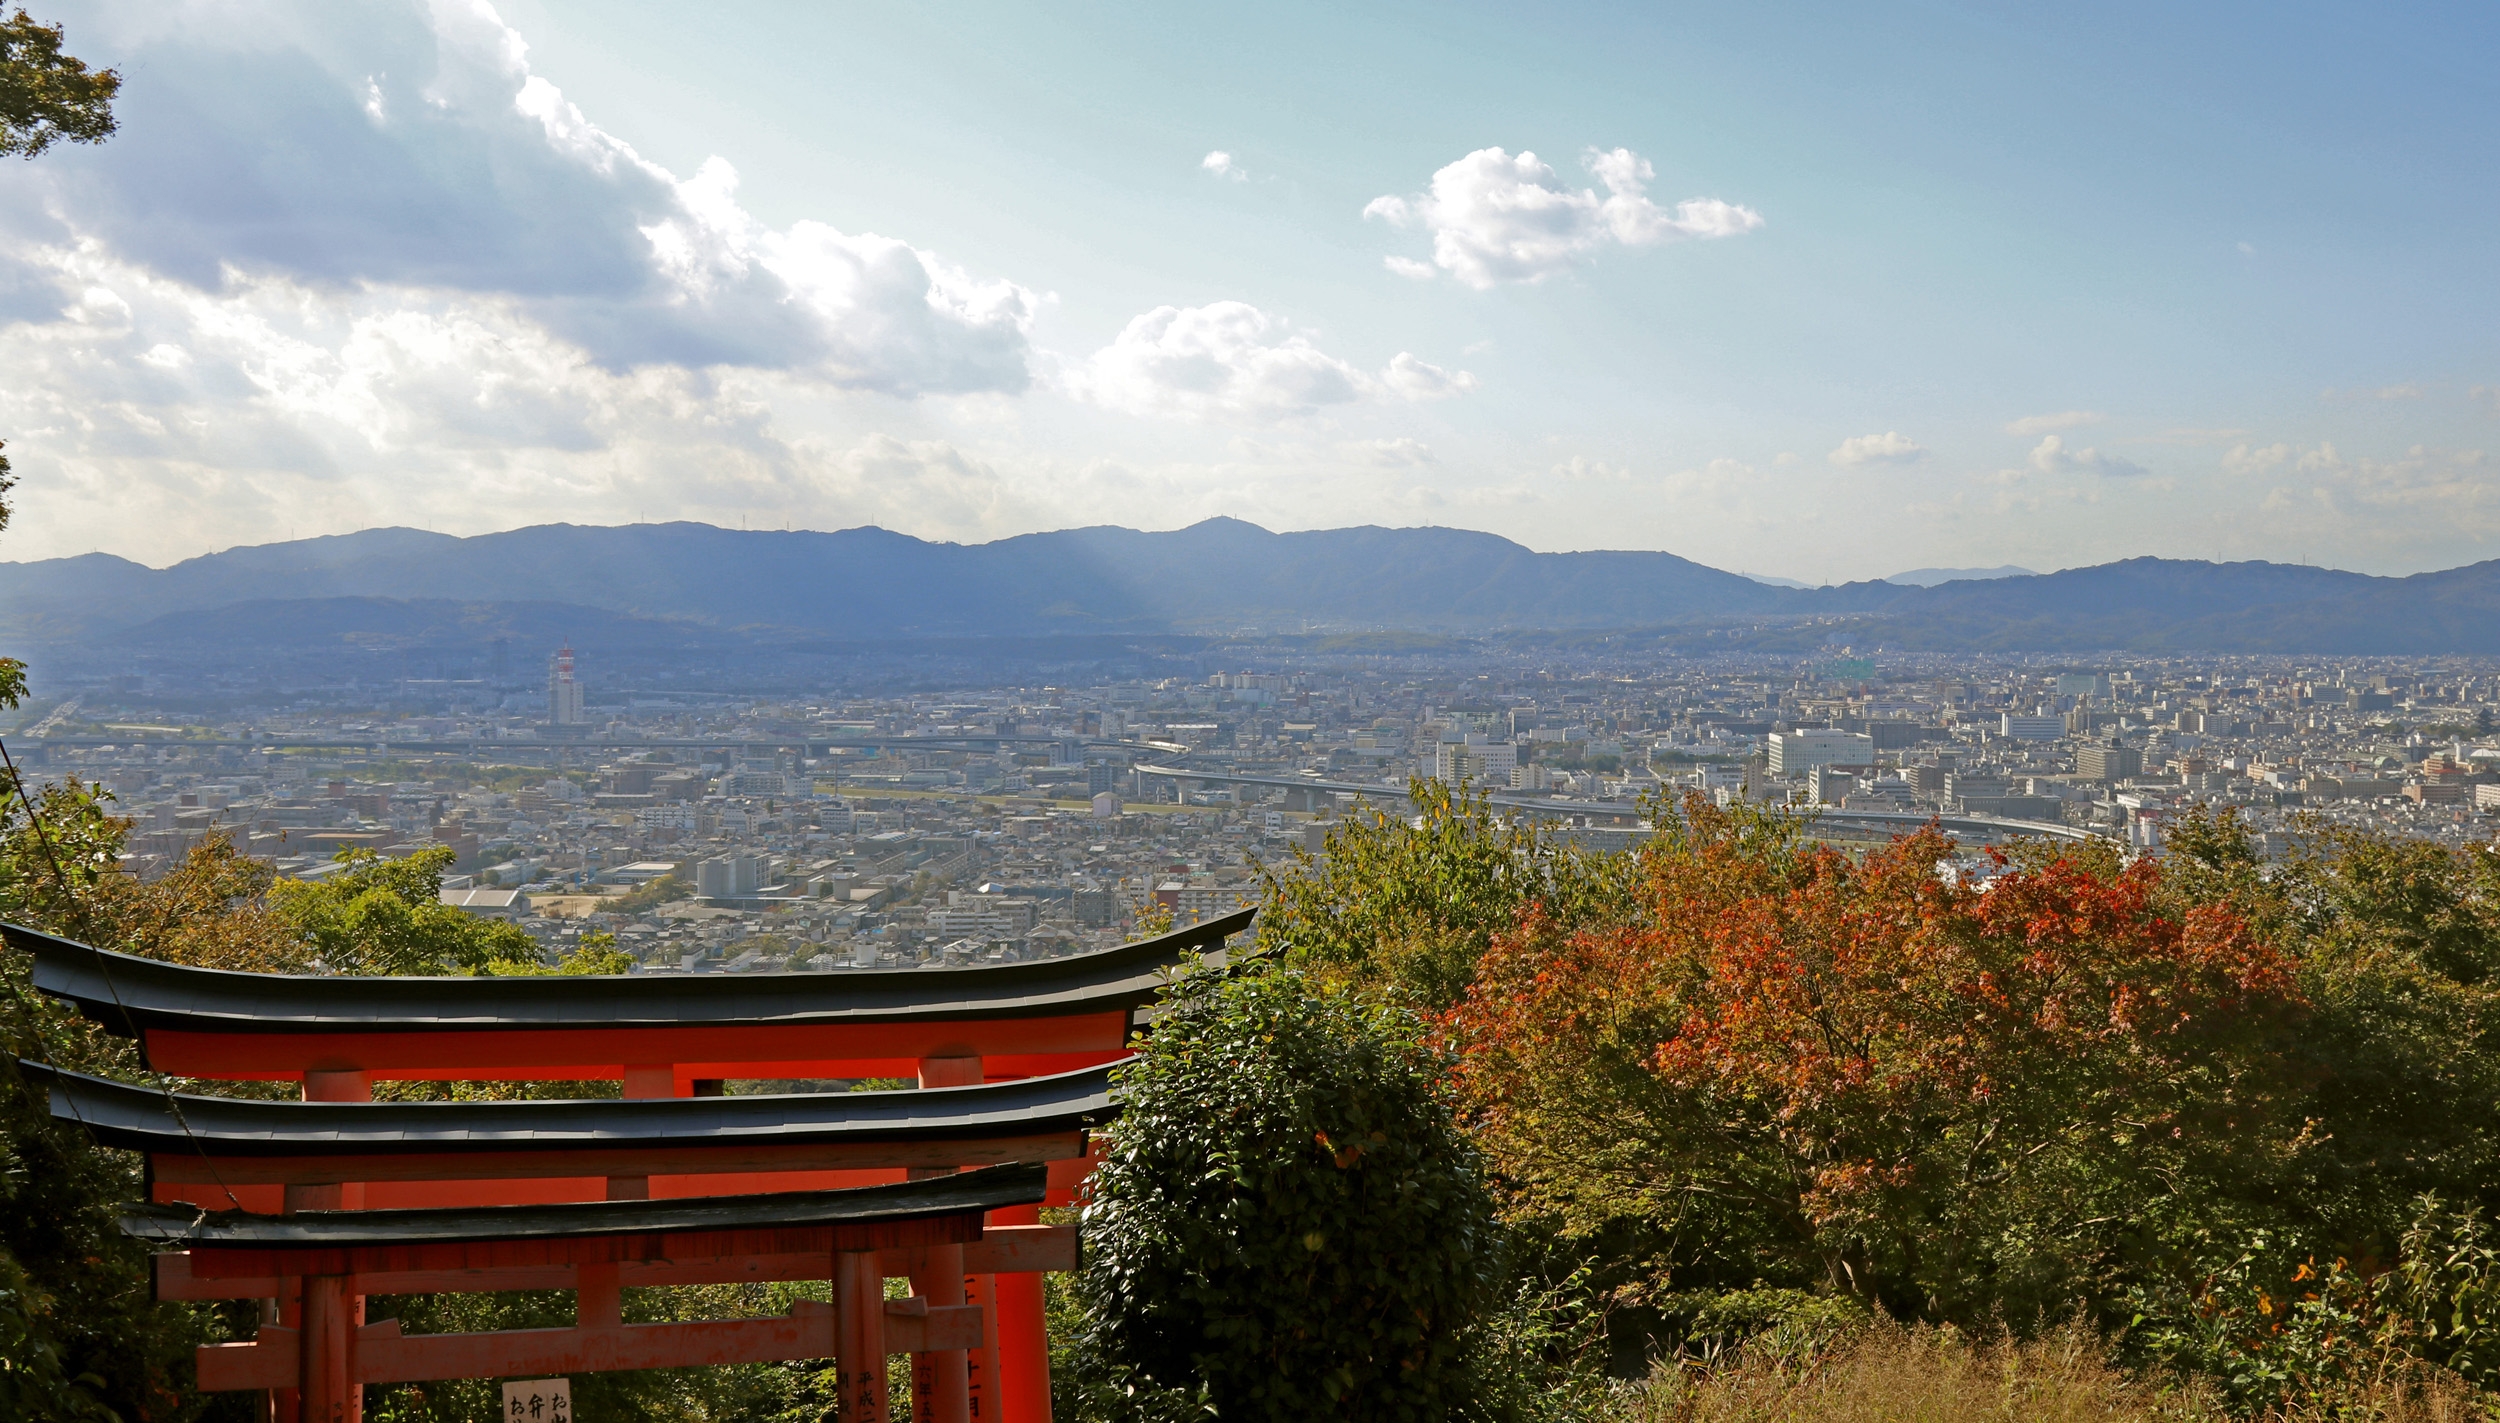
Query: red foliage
[[1866, 1033]]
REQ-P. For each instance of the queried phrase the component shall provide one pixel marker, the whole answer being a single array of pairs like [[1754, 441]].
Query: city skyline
[[1820, 296]]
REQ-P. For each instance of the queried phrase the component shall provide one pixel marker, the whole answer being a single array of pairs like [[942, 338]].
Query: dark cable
[[60, 878]]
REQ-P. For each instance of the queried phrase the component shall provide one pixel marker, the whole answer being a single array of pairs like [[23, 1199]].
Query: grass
[[1889, 1374]]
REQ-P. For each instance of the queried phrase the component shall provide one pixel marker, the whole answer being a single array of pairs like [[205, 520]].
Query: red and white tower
[[564, 695]]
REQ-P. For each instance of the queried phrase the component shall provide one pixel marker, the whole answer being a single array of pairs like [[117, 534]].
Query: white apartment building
[[1793, 753], [729, 877], [1197, 903], [1714, 775], [1479, 759], [2030, 728], [664, 817]]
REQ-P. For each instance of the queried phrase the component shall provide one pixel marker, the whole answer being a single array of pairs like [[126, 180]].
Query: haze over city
[[1820, 294]]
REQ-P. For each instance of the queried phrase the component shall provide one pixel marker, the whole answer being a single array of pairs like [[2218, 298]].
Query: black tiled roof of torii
[[124, 993], [986, 1189], [144, 1119]]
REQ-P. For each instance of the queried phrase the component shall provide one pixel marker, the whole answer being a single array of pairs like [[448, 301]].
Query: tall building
[[2031, 728], [1829, 785], [1793, 753], [1479, 759], [564, 695], [729, 877], [2108, 763]]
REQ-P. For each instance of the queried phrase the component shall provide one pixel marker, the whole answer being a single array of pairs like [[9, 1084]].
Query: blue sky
[[1823, 292]]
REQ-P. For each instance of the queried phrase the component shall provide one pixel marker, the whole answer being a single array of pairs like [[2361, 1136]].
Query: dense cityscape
[[762, 833]]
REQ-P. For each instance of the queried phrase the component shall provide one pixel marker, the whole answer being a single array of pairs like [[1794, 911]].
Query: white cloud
[[2458, 484], [2419, 467], [1416, 379], [1404, 451], [164, 420], [902, 484], [2063, 420], [1230, 360], [1495, 218], [363, 267], [1890, 447], [1722, 476], [2051, 456], [2245, 458], [411, 148], [1582, 468], [1221, 164]]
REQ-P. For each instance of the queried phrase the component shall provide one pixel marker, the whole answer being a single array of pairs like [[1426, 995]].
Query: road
[[1979, 827]]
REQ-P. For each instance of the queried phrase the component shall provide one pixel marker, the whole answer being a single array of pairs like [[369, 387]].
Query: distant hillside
[[2163, 605], [357, 624], [1221, 574], [657, 586], [1930, 577]]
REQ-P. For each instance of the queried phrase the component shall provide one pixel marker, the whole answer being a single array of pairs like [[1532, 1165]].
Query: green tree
[[1408, 907], [385, 916], [81, 1334], [2398, 947], [1287, 1222], [2395, 949], [47, 96], [645, 897], [13, 680], [592, 954]]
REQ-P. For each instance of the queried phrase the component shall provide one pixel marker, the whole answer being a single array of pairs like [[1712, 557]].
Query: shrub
[[1287, 1222]]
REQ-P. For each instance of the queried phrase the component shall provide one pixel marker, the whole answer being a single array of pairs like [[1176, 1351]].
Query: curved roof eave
[[143, 1119], [984, 1189], [127, 994]]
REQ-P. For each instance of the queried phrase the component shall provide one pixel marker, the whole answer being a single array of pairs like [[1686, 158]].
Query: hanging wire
[[60, 878]]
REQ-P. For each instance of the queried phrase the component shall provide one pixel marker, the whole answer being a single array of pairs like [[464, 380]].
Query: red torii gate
[[854, 1238], [975, 1030]]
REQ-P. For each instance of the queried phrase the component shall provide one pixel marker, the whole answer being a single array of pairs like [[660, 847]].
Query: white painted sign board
[[538, 1401]]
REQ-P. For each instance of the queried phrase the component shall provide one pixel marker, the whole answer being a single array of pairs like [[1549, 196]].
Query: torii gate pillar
[[327, 1314]]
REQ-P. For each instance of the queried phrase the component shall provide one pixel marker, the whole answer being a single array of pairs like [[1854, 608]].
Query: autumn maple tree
[[1863, 1075]]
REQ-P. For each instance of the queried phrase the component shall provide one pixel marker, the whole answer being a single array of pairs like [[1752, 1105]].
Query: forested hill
[[1225, 576], [1218, 575]]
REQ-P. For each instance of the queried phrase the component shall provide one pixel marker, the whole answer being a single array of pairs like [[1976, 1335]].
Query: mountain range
[[684, 583]]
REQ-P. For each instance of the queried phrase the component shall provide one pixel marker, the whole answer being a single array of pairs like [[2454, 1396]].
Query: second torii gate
[[855, 1239]]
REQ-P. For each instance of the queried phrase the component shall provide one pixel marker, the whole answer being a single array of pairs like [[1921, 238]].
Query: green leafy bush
[[2276, 1326], [1287, 1224]]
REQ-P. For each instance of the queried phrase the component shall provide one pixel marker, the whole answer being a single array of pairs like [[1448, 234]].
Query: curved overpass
[[1897, 822]]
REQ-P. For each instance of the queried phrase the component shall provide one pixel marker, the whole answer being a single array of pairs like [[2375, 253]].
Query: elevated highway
[[1983, 828], [488, 745]]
